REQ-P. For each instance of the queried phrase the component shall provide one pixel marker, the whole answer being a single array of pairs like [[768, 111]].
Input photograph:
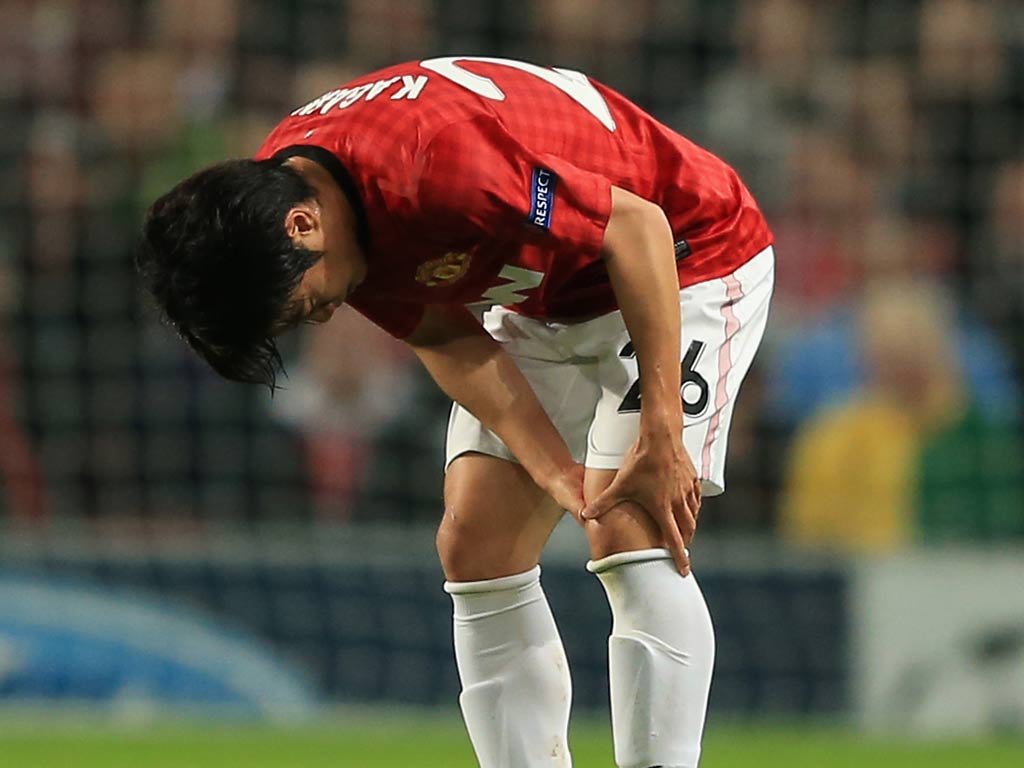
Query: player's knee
[[625, 528], [474, 548], [462, 550], [453, 548]]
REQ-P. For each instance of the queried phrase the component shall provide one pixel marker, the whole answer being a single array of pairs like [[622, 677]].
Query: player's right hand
[[566, 488]]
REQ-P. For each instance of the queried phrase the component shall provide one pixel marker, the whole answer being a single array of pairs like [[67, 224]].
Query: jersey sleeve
[[478, 182]]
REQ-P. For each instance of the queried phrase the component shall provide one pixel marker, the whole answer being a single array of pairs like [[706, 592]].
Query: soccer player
[[627, 274]]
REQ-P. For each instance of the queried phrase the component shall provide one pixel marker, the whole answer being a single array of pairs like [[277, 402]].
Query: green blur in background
[[428, 742]]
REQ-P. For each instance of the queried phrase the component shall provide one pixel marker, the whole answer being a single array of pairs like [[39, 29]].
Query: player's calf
[[661, 649], [660, 655], [516, 689]]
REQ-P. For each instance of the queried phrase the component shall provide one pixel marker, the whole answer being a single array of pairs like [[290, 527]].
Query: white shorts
[[585, 374]]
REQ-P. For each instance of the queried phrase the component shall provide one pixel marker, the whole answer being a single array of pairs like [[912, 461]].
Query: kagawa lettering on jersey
[[574, 84], [342, 98]]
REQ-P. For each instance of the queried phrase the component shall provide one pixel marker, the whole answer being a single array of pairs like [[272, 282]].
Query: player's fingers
[[693, 505], [568, 500], [674, 538], [605, 501], [574, 501], [685, 520], [678, 549], [567, 490]]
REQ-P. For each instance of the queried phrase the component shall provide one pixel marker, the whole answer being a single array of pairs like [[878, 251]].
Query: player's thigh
[[723, 321], [722, 324], [496, 519]]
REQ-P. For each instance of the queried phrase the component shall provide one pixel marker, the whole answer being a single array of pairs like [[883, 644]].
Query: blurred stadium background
[[173, 546]]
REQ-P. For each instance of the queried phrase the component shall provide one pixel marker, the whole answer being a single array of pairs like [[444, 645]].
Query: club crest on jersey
[[542, 197], [447, 269]]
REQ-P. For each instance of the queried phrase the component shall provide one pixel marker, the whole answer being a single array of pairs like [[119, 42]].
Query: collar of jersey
[[340, 173]]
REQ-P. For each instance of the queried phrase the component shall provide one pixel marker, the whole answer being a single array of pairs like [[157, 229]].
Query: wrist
[[666, 418]]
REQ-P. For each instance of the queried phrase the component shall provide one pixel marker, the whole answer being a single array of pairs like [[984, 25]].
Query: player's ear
[[302, 220]]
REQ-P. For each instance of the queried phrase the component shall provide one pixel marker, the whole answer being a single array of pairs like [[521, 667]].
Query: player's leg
[[662, 647], [516, 689], [515, 677], [496, 519], [661, 650]]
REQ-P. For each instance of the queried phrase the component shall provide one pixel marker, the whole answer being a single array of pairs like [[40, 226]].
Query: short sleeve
[[479, 182]]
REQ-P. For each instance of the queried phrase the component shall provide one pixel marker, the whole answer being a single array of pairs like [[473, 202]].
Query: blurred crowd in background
[[884, 140]]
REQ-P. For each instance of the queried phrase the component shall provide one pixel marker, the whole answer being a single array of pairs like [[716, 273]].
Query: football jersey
[[489, 180]]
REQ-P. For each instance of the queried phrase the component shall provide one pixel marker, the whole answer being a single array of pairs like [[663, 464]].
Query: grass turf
[[400, 742]]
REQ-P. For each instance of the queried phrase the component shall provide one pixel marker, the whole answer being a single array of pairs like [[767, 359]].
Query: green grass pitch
[[431, 742]]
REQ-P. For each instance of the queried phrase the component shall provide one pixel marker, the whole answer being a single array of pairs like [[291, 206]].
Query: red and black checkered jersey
[[481, 179]]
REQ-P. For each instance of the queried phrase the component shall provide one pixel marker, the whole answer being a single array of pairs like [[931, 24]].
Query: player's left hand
[[657, 474]]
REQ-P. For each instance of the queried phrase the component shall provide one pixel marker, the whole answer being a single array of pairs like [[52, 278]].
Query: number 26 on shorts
[[692, 383]]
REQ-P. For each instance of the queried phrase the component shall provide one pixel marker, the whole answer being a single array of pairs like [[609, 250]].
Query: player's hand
[[657, 474], [566, 487]]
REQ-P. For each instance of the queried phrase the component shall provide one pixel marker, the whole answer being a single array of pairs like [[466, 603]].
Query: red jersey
[[482, 179]]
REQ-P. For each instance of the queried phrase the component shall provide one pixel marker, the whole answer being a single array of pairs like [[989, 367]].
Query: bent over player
[[627, 273]]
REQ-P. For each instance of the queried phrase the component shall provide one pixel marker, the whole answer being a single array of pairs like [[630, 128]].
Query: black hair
[[217, 258]]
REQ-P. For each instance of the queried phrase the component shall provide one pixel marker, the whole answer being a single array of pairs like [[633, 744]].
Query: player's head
[[233, 256]]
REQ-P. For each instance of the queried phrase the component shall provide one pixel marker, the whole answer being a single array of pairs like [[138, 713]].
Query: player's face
[[327, 284]]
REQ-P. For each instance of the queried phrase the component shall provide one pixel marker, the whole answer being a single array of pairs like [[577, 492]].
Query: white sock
[[516, 690], [660, 655]]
